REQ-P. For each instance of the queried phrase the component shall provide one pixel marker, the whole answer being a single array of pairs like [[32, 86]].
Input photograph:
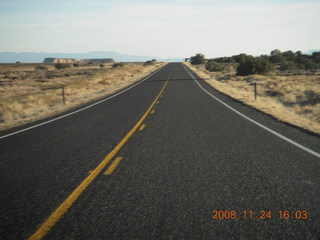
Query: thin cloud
[[166, 28]]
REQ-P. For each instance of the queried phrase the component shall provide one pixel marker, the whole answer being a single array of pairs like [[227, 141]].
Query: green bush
[[224, 60], [316, 57], [197, 59], [289, 55], [62, 65], [41, 67], [213, 66], [307, 63], [277, 57], [262, 65], [288, 66], [310, 95], [149, 63], [118, 65], [250, 65], [237, 58], [246, 66]]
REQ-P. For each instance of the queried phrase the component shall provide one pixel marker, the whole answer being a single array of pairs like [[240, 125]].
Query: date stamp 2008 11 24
[[264, 215]]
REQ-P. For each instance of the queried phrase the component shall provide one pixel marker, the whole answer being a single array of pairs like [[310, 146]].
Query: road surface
[[162, 160]]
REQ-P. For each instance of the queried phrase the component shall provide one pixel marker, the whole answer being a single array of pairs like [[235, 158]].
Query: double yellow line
[[57, 214]]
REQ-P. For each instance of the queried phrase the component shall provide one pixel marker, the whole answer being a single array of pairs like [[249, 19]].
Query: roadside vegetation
[[288, 83], [150, 62], [29, 92]]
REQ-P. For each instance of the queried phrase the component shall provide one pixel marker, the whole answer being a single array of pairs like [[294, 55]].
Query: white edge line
[[81, 109], [257, 123]]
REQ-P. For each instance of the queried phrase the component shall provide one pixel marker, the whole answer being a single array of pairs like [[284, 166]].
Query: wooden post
[[255, 90], [63, 95]]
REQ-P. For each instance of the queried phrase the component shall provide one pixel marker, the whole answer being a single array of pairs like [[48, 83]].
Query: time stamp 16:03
[[285, 214]]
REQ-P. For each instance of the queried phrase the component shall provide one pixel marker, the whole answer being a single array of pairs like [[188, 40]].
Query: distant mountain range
[[38, 57], [311, 51]]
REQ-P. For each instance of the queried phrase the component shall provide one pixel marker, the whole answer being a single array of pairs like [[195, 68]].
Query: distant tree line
[[247, 64], [198, 59]]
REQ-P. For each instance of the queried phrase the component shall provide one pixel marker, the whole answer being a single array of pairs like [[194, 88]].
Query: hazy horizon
[[164, 29]]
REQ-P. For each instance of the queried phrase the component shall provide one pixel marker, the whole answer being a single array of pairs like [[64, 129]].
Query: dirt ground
[[290, 98], [28, 94]]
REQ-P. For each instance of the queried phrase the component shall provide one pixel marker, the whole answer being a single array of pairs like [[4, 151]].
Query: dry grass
[[293, 99], [27, 94]]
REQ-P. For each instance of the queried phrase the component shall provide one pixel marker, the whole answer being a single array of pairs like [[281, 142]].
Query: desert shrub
[[146, 63], [150, 62], [237, 58], [316, 57], [76, 64], [117, 65], [101, 65], [197, 59], [224, 60], [289, 55], [213, 66], [250, 65], [311, 95], [246, 66], [62, 65], [300, 66], [277, 56], [288, 66], [262, 65], [41, 67], [309, 65], [104, 82], [275, 93]]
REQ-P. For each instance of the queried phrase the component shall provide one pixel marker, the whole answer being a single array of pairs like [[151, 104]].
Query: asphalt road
[[189, 161]]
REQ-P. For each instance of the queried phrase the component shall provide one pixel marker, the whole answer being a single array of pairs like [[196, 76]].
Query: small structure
[[60, 60], [73, 60], [97, 60]]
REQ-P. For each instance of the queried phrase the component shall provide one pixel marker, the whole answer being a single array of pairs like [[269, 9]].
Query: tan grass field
[[28, 95], [294, 99]]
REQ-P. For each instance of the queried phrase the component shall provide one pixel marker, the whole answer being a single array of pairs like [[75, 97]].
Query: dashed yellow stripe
[[113, 166], [142, 127], [57, 214]]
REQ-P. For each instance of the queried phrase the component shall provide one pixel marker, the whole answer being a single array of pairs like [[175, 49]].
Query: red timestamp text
[[263, 214]]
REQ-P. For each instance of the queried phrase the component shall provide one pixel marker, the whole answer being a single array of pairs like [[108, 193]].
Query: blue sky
[[166, 28]]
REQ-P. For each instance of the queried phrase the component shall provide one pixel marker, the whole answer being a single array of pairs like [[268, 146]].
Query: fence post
[[255, 90], [63, 95]]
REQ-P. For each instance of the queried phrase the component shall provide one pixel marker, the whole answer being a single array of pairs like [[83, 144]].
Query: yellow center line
[[142, 127], [57, 214], [113, 166]]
